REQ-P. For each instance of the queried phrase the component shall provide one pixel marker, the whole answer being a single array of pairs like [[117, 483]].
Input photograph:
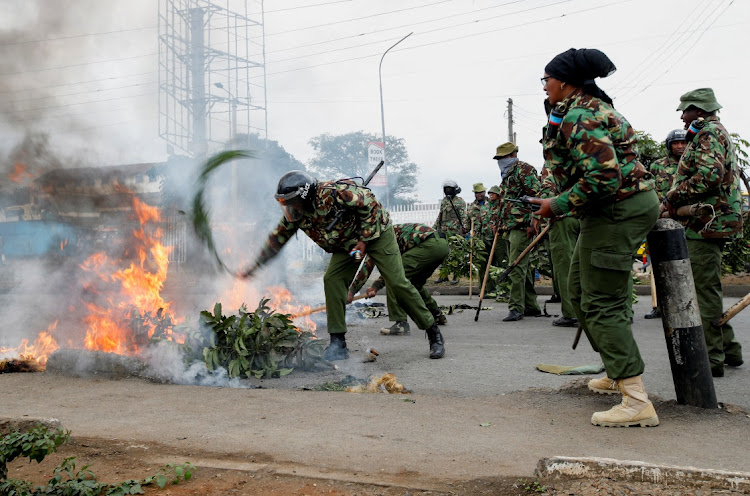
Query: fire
[[281, 301], [134, 309], [63, 244], [44, 345], [19, 174]]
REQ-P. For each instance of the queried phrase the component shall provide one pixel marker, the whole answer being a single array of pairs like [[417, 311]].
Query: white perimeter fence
[[421, 213]]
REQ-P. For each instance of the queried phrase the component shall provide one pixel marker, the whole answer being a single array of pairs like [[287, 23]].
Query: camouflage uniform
[[364, 220], [451, 220], [663, 171], [422, 250], [562, 241], [708, 173], [497, 224], [521, 180], [593, 160]]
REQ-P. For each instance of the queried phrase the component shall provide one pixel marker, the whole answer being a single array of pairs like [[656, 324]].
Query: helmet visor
[[293, 209]]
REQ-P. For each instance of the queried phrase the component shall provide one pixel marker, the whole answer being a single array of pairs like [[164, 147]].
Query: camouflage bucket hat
[[703, 98], [505, 149], [495, 189], [479, 187]]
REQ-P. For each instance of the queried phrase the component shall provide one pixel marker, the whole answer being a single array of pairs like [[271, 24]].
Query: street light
[[233, 117], [382, 118]]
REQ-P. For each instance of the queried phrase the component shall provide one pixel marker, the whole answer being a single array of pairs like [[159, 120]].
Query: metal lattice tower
[[212, 74]]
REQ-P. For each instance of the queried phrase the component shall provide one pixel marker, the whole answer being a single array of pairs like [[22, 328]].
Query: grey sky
[[445, 87]]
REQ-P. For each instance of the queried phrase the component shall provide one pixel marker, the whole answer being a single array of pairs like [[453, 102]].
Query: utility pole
[[511, 134]]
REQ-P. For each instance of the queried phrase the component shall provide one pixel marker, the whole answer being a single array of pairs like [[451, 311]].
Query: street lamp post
[[382, 118]]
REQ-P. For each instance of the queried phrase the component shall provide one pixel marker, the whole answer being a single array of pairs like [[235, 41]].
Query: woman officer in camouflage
[[591, 152]]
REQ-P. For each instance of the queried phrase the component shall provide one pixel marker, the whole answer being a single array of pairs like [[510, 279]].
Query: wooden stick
[[511, 266], [654, 303], [486, 274], [578, 336], [733, 310], [471, 258], [305, 313]]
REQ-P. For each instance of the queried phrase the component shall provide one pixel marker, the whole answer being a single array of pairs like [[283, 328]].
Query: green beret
[[479, 187], [505, 149], [495, 189], [703, 98]]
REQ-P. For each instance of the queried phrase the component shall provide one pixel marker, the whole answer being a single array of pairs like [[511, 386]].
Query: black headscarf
[[580, 68]]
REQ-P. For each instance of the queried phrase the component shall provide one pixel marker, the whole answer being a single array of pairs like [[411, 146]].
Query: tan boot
[[604, 385], [635, 409]]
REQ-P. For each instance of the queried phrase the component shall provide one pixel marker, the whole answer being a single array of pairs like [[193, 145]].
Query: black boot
[[555, 298], [655, 314], [336, 349], [436, 342]]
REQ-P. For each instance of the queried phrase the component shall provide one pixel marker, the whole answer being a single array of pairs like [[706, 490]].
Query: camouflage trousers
[[562, 241], [385, 253], [522, 292], [600, 280], [705, 261], [419, 264]]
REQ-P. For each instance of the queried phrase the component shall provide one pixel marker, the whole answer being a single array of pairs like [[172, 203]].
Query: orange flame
[[19, 174], [44, 345], [135, 289], [281, 301]]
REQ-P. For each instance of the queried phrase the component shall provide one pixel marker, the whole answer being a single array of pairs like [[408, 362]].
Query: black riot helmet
[[675, 135], [450, 188], [295, 193]]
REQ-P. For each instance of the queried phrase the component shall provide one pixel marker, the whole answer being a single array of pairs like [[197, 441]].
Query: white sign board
[[376, 153]]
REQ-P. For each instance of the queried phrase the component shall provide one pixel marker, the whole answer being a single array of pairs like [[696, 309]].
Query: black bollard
[[681, 318]]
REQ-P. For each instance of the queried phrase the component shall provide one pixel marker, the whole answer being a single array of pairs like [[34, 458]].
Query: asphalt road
[[483, 410]]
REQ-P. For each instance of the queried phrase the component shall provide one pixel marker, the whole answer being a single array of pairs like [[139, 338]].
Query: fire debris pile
[[115, 307], [262, 343]]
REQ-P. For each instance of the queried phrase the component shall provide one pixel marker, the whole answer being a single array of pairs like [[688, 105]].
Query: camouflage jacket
[[593, 158], [708, 173], [496, 210], [663, 171], [452, 217], [364, 220], [408, 236], [521, 180], [482, 216]]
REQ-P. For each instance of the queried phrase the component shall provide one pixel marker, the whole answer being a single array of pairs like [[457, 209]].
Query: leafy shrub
[[260, 344]]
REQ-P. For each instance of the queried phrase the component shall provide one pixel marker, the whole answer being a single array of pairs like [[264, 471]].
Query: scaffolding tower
[[212, 74]]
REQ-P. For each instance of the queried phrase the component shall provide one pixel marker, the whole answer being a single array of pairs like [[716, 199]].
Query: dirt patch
[[736, 279], [117, 460]]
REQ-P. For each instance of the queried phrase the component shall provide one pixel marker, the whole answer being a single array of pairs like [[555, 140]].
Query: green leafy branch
[[464, 256], [201, 212], [258, 344]]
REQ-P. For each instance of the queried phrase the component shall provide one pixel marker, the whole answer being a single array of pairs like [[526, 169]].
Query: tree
[[345, 155], [649, 150]]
